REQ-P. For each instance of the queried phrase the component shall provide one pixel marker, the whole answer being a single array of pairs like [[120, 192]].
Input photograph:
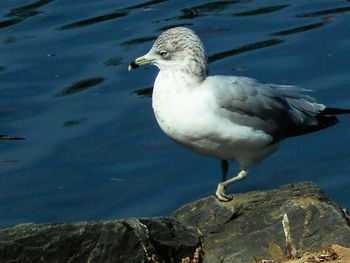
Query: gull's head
[[177, 49]]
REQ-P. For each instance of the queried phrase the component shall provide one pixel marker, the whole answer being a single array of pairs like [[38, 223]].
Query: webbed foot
[[220, 193]]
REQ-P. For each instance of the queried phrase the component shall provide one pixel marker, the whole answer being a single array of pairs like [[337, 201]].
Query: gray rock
[[250, 228], [246, 229], [120, 241]]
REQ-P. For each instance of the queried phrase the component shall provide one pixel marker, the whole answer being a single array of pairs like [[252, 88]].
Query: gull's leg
[[224, 169], [220, 191]]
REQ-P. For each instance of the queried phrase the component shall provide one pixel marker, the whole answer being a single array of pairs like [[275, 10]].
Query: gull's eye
[[164, 54]]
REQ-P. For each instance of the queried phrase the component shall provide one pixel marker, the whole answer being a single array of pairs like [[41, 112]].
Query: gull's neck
[[177, 80], [196, 66], [190, 73]]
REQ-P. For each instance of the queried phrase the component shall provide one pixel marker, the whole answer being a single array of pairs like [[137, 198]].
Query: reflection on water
[[20, 14], [163, 28], [139, 40], [145, 92], [74, 122], [115, 61], [27, 10], [300, 29], [94, 20], [80, 86], [262, 10], [111, 15], [91, 137], [211, 8], [245, 48], [146, 4], [326, 12], [11, 138]]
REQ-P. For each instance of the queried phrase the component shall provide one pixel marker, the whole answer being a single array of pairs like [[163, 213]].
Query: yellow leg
[[220, 190]]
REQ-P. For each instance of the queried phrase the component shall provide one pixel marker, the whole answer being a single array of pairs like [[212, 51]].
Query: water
[[93, 149]]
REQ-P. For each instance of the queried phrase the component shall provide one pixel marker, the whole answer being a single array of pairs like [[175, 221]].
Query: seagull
[[230, 118]]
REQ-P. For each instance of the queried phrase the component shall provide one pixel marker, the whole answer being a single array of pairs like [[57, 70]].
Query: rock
[[131, 240], [334, 254], [343, 253], [249, 228]]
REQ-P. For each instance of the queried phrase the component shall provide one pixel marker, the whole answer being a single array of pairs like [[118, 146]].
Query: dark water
[[93, 149]]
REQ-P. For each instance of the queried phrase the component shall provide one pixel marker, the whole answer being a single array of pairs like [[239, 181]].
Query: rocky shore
[[247, 229]]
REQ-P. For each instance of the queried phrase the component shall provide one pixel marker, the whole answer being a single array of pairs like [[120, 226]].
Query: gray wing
[[279, 110]]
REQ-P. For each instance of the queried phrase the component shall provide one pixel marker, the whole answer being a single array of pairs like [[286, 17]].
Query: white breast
[[180, 111], [188, 113]]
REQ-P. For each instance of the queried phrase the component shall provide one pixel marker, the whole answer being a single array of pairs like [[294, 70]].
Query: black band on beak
[[133, 65]]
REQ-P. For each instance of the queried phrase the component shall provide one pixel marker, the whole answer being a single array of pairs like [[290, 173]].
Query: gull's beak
[[138, 62]]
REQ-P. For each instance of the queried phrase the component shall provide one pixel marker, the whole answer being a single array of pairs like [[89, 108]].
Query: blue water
[[93, 149]]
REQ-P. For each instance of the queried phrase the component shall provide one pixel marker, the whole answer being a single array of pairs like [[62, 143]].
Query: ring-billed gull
[[226, 117]]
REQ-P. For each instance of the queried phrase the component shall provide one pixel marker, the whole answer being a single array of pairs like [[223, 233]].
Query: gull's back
[[278, 110]]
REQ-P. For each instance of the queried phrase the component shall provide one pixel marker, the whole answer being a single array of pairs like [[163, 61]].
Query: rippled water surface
[[93, 149]]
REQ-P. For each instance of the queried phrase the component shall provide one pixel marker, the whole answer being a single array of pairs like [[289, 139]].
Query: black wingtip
[[334, 111], [325, 121]]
